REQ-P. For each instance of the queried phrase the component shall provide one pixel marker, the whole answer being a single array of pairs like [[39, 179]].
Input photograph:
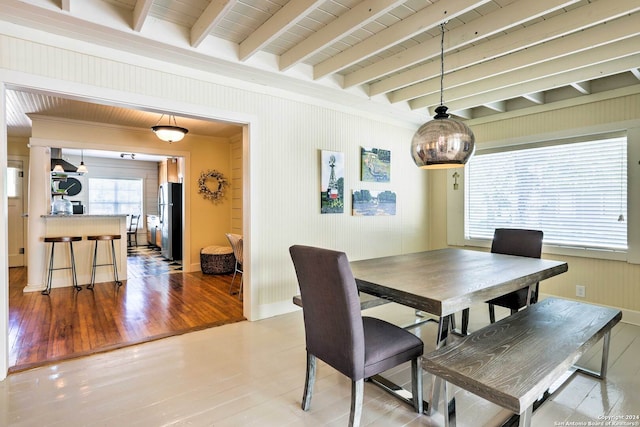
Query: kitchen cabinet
[[168, 171]]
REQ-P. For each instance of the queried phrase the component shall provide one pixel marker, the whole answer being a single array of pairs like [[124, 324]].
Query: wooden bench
[[513, 362]]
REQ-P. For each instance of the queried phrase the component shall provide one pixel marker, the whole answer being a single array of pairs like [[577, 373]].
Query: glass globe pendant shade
[[442, 143], [169, 133]]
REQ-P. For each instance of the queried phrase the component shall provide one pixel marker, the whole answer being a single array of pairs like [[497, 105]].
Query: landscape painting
[[374, 203], [375, 164]]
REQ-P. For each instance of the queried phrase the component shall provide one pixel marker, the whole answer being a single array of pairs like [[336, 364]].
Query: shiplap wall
[[236, 185], [281, 206]]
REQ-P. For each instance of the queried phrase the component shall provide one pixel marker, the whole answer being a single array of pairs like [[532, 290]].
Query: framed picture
[[375, 164], [373, 203], [332, 182]]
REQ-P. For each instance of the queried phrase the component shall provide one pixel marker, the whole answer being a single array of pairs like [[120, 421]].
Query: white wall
[[281, 177]]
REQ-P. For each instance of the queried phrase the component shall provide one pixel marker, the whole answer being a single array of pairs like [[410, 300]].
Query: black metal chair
[[512, 241], [132, 231], [336, 333]]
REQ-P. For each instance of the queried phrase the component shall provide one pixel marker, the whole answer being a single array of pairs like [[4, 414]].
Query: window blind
[[575, 193]]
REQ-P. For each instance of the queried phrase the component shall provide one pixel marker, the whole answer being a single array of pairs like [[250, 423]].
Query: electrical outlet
[[580, 291]]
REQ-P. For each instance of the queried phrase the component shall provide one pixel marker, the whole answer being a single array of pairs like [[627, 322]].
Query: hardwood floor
[[252, 374], [68, 324]]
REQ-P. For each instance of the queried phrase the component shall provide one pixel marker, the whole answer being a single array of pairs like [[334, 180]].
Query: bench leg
[[525, 417], [606, 340]]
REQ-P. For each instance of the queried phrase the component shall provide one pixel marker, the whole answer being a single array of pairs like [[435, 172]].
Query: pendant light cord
[[442, 63]]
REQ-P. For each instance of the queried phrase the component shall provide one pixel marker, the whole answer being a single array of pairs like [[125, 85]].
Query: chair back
[[235, 240], [513, 241], [133, 224], [331, 308]]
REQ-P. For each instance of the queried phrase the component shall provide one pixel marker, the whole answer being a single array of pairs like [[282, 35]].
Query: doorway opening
[[167, 290]]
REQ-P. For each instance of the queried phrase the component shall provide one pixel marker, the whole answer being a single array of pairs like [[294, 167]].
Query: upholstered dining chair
[[513, 241], [337, 333], [235, 240]]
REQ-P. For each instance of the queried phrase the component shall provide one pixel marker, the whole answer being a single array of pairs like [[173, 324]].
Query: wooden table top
[[445, 281]]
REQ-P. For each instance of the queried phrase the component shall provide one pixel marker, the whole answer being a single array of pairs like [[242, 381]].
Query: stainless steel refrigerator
[[170, 213]]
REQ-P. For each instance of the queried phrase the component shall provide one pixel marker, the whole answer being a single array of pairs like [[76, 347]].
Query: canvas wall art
[[373, 203], [375, 164], [332, 179]]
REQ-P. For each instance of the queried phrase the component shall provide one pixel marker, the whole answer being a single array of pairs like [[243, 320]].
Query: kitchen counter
[[82, 216], [87, 225]]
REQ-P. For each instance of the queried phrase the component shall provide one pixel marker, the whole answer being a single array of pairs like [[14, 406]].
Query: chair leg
[[416, 384], [115, 265], [308, 383], [235, 271], [492, 313], [357, 397]]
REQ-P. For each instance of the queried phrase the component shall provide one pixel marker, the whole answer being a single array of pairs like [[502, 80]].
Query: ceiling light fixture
[[442, 142], [169, 132], [58, 168], [82, 168]]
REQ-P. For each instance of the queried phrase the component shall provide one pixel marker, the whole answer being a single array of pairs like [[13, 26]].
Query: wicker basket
[[217, 260]]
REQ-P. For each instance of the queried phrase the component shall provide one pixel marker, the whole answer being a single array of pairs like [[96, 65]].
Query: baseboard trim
[[628, 316]]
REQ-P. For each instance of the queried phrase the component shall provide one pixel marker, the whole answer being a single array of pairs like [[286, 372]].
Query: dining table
[[445, 281]]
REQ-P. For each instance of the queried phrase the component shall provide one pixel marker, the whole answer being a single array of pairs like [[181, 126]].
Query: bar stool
[[105, 238], [53, 241]]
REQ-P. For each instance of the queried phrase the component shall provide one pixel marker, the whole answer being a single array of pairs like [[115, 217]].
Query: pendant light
[[82, 168], [442, 142], [169, 132]]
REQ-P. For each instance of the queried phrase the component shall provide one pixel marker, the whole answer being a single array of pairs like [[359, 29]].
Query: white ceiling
[[500, 55]]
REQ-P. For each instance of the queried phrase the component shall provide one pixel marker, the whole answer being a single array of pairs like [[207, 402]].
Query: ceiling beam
[[496, 92], [419, 22], [502, 19], [140, 13], [557, 26], [499, 106], [345, 24], [65, 5], [635, 72], [583, 87], [211, 16], [568, 46], [275, 26], [548, 83], [535, 97]]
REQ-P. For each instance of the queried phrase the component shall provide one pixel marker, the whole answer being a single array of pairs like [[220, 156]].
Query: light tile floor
[[252, 374]]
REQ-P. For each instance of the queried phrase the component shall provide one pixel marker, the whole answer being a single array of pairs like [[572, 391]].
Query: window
[[574, 192], [14, 183], [115, 196]]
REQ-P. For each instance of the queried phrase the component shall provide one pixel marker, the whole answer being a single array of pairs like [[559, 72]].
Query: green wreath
[[208, 193]]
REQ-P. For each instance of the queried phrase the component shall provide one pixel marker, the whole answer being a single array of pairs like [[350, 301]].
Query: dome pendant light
[[169, 132], [82, 169], [442, 142]]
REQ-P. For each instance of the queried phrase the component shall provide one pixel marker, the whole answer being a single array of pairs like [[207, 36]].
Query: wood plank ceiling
[[500, 55]]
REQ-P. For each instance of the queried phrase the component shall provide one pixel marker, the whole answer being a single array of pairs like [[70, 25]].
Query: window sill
[[606, 254]]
